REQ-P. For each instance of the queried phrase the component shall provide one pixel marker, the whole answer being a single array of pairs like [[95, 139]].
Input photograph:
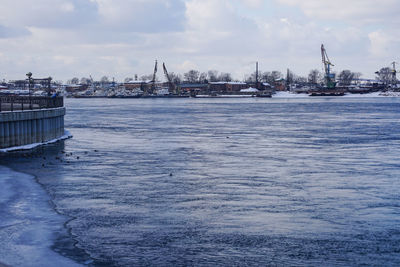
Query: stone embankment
[[24, 127]]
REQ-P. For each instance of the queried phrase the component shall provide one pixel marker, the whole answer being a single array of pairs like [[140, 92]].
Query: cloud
[[215, 27], [65, 38], [253, 3], [383, 43], [356, 11], [214, 15], [48, 13], [96, 15], [12, 32], [142, 15], [68, 7]]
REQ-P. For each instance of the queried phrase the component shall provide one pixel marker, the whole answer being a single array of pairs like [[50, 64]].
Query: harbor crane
[[171, 85], [388, 75], [329, 77], [153, 81]]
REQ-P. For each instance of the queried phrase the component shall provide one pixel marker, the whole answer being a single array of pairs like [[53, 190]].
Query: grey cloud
[[84, 12], [125, 22], [12, 32], [143, 17], [48, 13]]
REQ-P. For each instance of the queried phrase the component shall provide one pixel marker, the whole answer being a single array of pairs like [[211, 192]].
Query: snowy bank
[[374, 94], [28, 224], [66, 135], [285, 94]]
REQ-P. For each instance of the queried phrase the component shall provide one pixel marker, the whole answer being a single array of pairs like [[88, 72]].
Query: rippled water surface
[[304, 182]]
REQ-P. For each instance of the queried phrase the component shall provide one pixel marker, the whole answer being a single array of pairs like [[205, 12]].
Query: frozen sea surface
[[226, 182], [28, 225]]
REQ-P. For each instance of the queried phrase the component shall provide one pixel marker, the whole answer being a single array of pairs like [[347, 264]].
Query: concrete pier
[[20, 128]]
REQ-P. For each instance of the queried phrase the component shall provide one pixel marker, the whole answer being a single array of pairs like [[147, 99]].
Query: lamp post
[[29, 74], [49, 86]]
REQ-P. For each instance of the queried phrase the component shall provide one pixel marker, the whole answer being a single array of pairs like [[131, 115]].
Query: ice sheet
[[28, 224]]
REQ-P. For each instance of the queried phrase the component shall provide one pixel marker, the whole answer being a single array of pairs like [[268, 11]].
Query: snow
[[66, 135], [235, 83], [249, 90], [28, 223], [374, 94], [285, 94], [222, 96]]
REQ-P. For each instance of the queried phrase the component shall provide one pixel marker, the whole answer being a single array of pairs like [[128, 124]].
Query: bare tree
[[290, 77], [266, 77], [192, 76], [74, 80], [345, 77], [250, 78], [203, 77], [212, 75], [147, 77], [314, 76], [85, 80], [357, 75], [104, 79], [300, 79], [225, 77], [176, 78], [276, 75], [384, 75], [128, 79]]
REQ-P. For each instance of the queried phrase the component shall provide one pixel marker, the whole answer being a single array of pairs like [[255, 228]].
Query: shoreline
[[66, 135], [277, 94], [287, 94], [30, 225]]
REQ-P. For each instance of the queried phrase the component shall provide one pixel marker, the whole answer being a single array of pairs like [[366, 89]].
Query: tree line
[[345, 77]]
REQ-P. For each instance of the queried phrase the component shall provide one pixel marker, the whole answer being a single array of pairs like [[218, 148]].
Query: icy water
[[226, 182]]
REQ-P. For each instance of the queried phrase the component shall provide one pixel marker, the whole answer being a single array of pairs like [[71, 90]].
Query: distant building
[[265, 86], [227, 87], [280, 84], [135, 85], [72, 88], [194, 87]]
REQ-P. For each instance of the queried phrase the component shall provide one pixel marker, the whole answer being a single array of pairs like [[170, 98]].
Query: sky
[[120, 38]]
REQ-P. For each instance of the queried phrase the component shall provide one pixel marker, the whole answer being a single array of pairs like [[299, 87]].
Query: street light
[[49, 86], [29, 74]]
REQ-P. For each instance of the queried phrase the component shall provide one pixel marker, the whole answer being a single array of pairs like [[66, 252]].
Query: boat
[[327, 92], [264, 93]]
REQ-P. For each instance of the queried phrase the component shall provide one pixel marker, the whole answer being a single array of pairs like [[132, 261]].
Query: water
[[28, 223], [200, 182]]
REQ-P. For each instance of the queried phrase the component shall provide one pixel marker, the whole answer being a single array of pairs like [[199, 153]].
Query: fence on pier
[[20, 103]]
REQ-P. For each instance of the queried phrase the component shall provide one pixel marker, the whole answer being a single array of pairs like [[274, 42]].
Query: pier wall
[[20, 128]]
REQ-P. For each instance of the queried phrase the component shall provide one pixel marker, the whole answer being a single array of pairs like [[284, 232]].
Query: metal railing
[[18, 103]]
